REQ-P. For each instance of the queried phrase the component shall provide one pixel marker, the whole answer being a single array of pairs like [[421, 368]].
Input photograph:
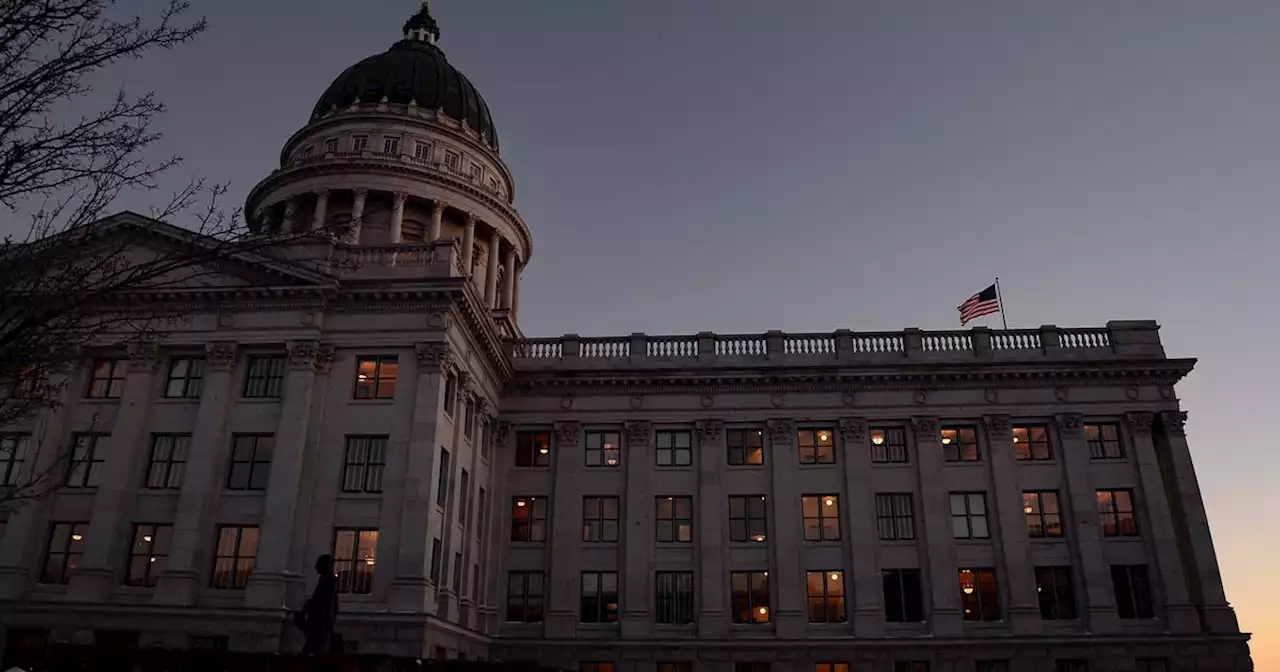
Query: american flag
[[985, 302]]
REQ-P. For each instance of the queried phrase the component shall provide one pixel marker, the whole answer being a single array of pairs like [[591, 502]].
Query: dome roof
[[413, 69]]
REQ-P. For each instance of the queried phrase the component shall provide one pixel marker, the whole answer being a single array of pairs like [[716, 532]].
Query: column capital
[[925, 427], [1174, 422], [781, 429], [440, 204], [853, 429], [501, 430], [222, 355], [637, 432], [434, 357], [1139, 421], [144, 356], [568, 433], [310, 355], [323, 193], [360, 193], [400, 198], [709, 431], [1069, 423], [999, 427], [469, 218]]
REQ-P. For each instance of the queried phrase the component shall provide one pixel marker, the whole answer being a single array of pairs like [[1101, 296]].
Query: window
[[250, 461], [595, 667], [237, 550], [359, 143], [308, 151], [265, 377], [826, 596], [991, 666], [903, 599], [1044, 518], [355, 552], [376, 377], [747, 518], [391, 145], [675, 597], [148, 554], [450, 391], [533, 449], [675, 667], [1133, 591], [524, 597], [599, 597], [1104, 441], [106, 380], [979, 595], [895, 517], [422, 151], [436, 559], [1031, 443], [1115, 513], [13, 453], [451, 161], [750, 596], [484, 512], [330, 145], [674, 448], [65, 551], [674, 519], [751, 667], [602, 449], [475, 170], [469, 418], [817, 446], [821, 517], [28, 383], [831, 667], [600, 519], [746, 446], [464, 508], [960, 444], [365, 461], [910, 666], [457, 573], [186, 378], [442, 479], [528, 519], [969, 515], [493, 184], [209, 643], [1057, 595], [888, 445], [168, 459], [88, 454], [1071, 666], [1151, 665]]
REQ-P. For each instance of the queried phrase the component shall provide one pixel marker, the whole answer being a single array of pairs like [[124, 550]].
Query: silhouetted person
[[318, 613]]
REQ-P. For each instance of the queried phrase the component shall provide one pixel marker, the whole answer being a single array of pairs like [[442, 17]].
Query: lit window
[[979, 595], [888, 445], [821, 517], [603, 449], [817, 446], [969, 515], [747, 518], [599, 597], [88, 454], [750, 592], [1056, 593], [600, 519], [533, 449], [595, 667], [528, 519], [1133, 591], [960, 444], [895, 516], [674, 519], [148, 554], [265, 377], [1115, 513], [831, 667], [746, 446], [64, 552], [168, 460], [236, 554], [903, 597], [376, 377], [675, 597], [524, 597], [674, 448], [1104, 441], [364, 463], [186, 376], [826, 596], [250, 461], [13, 453], [355, 552], [1031, 443], [1044, 518], [106, 380]]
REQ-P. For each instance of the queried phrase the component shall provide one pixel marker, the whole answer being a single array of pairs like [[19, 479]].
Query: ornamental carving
[[1174, 422], [637, 432], [709, 431], [1069, 423], [568, 433], [999, 427], [307, 355], [501, 432], [484, 409], [925, 427], [221, 356], [853, 430], [1140, 421], [434, 357], [143, 356], [781, 430]]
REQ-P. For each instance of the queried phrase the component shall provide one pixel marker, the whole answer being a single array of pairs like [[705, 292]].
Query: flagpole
[[1000, 298]]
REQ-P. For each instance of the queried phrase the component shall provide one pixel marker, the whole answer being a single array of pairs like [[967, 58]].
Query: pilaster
[[713, 540], [566, 533], [1100, 604], [785, 585], [860, 528], [1018, 575], [638, 559], [944, 586]]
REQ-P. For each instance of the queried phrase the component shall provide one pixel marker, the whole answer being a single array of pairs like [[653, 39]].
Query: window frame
[[529, 454], [535, 526], [743, 450], [596, 528], [1114, 511], [969, 516], [14, 447], [985, 596], [594, 608], [962, 445], [750, 532], [450, 392], [69, 558], [365, 474], [422, 150], [674, 598], [1133, 604], [142, 547], [256, 465], [1025, 446], [191, 379], [890, 518], [674, 450], [351, 575], [237, 577], [753, 601], [1102, 448], [91, 459], [892, 448], [359, 143], [370, 388], [271, 380], [828, 508], [165, 467], [391, 145], [527, 600], [330, 145], [111, 385], [452, 161], [1040, 522], [898, 580], [834, 606], [444, 478], [810, 439], [672, 519], [1055, 591], [602, 451]]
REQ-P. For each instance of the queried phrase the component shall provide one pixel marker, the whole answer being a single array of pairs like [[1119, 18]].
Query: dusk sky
[[809, 165]]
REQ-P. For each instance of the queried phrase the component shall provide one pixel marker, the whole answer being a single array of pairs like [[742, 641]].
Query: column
[[1189, 514], [108, 537], [1082, 502], [272, 574], [939, 546], [860, 529], [638, 552], [357, 214], [193, 525], [1018, 575], [468, 243], [713, 540], [437, 216], [786, 574], [509, 272], [1182, 616], [491, 274], [397, 216], [515, 295], [290, 213], [493, 571], [412, 589], [563, 580], [322, 210]]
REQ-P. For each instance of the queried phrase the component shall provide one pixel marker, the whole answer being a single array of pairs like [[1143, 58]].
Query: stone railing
[[1117, 340], [442, 258]]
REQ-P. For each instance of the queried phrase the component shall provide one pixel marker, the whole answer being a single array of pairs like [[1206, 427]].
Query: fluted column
[[860, 526], [1099, 598], [566, 530], [491, 274], [1019, 581], [468, 243], [397, 217], [437, 216], [290, 213], [322, 210], [509, 272], [638, 553], [713, 539], [940, 548], [357, 214], [786, 585]]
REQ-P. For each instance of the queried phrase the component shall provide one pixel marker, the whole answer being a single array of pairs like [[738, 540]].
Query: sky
[[739, 166]]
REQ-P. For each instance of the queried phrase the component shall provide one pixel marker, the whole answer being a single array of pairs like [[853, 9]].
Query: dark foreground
[[67, 658]]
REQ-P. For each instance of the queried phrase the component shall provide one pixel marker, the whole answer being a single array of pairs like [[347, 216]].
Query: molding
[[926, 428], [708, 431], [1139, 422], [568, 434], [1173, 423], [853, 430], [434, 357], [309, 355], [781, 430], [1069, 423], [637, 432], [998, 427], [221, 356]]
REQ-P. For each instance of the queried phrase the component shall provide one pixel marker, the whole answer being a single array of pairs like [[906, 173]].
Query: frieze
[[853, 430], [221, 356], [781, 430], [637, 432], [1174, 422], [999, 427], [709, 431], [568, 433], [925, 427], [1140, 421]]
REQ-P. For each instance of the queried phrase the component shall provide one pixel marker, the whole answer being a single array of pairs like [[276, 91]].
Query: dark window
[[969, 515], [1133, 591], [28, 383], [751, 667], [1071, 666], [148, 554], [1151, 665], [1115, 513], [390, 145], [602, 449], [674, 519], [355, 552], [595, 667], [528, 519], [464, 508], [910, 666], [533, 449], [747, 518], [168, 459], [88, 454], [469, 418], [452, 161], [991, 666], [817, 446], [250, 461], [888, 445], [359, 143], [376, 377], [450, 391], [421, 150], [895, 516], [236, 553], [457, 573], [675, 597], [1056, 592], [308, 151], [1031, 443], [65, 551], [106, 380], [960, 444], [600, 519], [979, 595], [599, 597], [442, 478], [746, 446], [366, 459], [750, 592], [265, 377], [436, 559], [186, 378], [209, 643], [903, 599], [330, 145], [524, 597], [675, 667], [826, 596], [821, 517], [482, 506], [1044, 518], [1104, 441], [831, 667], [13, 454], [674, 448]]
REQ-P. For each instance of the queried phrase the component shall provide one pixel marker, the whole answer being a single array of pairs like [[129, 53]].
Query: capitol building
[[904, 501]]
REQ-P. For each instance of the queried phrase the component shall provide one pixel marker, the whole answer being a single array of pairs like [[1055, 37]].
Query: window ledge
[[899, 542], [973, 541], [891, 465], [819, 467], [964, 463], [100, 400], [372, 402], [599, 544], [823, 543], [243, 493], [259, 400], [193, 401], [360, 496], [744, 467]]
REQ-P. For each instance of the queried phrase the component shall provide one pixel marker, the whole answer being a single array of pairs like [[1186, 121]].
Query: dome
[[413, 69]]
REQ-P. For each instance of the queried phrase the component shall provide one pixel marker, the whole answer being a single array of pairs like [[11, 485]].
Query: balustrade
[[947, 341], [1015, 340], [1085, 338], [605, 348], [809, 344], [672, 346], [872, 344], [741, 346]]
